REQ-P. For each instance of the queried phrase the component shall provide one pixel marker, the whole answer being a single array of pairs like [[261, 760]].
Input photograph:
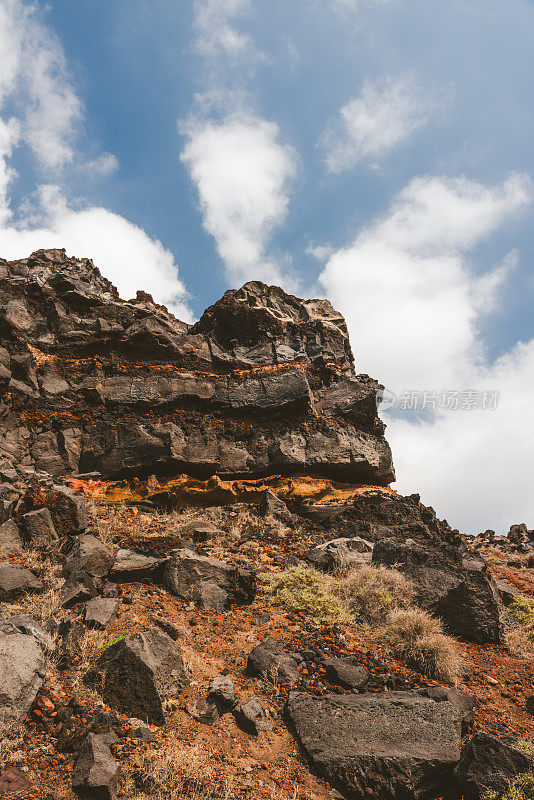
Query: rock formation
[[262, 384]]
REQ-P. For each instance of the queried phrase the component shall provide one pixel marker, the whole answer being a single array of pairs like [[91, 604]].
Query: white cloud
[[125, 254], [35, 66], [414, 307], [216, 34], [34, 81], [475, 467], [385, 114], [101, 166], [242, 173]]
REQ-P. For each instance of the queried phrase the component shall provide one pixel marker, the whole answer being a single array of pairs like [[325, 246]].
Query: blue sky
[[378, 152]]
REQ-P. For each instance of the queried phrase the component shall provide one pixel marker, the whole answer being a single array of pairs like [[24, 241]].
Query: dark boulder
[[100, 611], [346, 672], [136, 674], [450, 583], [268, 660], [463, 703], [77, 589], [489, 764], [95, 774], [272, 506], [68, 510], [212, 583], [340, 555], [16, 581], [88, 557], [251, 717], [22, 669], [10, 538], [392, 746], [222, 692], [38, 529], [130, 566]]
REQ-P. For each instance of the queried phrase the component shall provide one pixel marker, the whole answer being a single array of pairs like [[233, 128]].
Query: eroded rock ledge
[[264, 383]]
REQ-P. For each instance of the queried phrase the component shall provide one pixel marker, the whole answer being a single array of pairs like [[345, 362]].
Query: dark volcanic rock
[[464, 703], [100, 611], [10, 539], [451, 583], [263, 383], [38, 528], [88, 557], [95, 775], [340, 555], [208, 581], [391, 746], [489, 764], [268, 660], [22, 669], [15, 581], [251, 717], [136, 674], [131, 566], [346, 672]]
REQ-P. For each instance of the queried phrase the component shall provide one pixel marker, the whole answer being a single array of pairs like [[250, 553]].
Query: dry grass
[[521, 788], [370, 593], [418, 639], [520, 641], [174, 770], [305, 589]]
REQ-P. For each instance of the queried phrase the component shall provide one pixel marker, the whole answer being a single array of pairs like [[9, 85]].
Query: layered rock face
[[262, 384]]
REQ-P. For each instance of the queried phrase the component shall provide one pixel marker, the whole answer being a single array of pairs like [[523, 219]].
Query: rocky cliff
[[263, 384]]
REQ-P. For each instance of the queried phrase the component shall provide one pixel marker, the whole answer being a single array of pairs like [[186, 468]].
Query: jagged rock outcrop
[[263, 383]]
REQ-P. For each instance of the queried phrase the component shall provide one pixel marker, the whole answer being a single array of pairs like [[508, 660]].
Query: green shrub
[[305, 589], [522, 608], [520, 640]]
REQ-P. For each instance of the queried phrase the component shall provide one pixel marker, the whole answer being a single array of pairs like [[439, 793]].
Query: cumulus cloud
[[123, 251], [414, 306], [46, 114], [242, 173], [385, 114]]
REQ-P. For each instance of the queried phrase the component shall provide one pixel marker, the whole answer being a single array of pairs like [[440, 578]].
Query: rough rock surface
[[489, 764], [263, 383], [209, 582], [131, 566], [100, 611], [268, 660], [136, 674], [10, 539], [452, 583], [251, 717], [38, 528], [16, 581], [392, 745], [22, 669], [88, 557], [340, 555], [96, 773]]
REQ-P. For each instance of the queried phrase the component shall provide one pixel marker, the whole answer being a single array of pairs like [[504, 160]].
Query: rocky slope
[[158, 480]]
